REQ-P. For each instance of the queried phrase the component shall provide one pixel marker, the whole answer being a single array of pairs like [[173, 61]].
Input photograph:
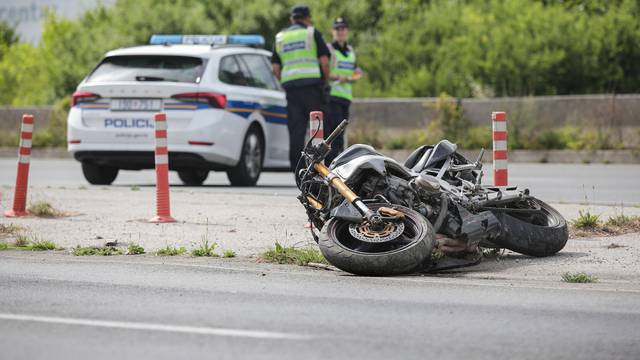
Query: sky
[[27, 16]]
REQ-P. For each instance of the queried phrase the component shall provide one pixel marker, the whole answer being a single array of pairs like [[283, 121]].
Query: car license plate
[[136, 104]]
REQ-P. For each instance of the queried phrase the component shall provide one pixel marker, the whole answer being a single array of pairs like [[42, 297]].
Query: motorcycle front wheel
[[405, 253], [540, 233]]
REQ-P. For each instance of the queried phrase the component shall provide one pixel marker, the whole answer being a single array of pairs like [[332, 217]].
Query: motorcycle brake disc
[[363, 232]]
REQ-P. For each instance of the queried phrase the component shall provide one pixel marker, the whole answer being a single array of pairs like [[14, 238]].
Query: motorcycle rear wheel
[[539, 235], [407, 253]]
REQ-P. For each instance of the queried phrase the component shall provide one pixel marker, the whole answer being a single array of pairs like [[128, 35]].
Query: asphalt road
[[57, 306], [613, 184]]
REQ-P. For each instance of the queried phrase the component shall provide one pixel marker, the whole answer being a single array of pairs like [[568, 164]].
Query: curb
[[38, 153]]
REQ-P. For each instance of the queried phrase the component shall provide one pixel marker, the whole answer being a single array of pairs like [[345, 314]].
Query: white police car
[[225, 110]]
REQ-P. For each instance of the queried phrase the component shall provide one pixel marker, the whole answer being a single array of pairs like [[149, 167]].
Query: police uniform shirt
[[321, 47]]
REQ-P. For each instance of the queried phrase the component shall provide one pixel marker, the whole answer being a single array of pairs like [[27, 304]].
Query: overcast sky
[[27, 16]]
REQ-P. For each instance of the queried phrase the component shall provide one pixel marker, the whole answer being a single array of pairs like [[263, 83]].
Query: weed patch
[[44, 209], [617, 225], [96, 251], [229, 253], [578, 278], [170, 251], [135, 249], [4, 246], [290, 255], [205, 249], [41, 245]]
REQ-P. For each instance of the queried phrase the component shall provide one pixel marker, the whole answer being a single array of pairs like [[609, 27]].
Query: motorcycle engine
[[396, 190]]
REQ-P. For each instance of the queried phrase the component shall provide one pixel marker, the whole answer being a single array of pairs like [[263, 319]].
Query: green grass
[[578, 278], [135, 249], [41, 245], [290, 255], [623, 220], [170, 251], [205, 249], [229, 253], [95, 251], [44, 209], [4, 246], [586, 220]]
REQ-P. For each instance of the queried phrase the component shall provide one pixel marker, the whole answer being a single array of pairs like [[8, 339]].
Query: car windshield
[[148, 68]]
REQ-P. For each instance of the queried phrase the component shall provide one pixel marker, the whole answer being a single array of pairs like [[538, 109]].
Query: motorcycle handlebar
[[337, 131]]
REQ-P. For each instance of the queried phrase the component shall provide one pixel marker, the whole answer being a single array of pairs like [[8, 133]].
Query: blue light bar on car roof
[[255, 40]]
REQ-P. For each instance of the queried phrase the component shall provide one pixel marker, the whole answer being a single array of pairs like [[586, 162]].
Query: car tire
[[248, 170], [99, 174], [193, 177]]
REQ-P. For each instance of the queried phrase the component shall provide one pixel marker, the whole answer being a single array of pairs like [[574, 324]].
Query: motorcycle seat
[[352, 152]]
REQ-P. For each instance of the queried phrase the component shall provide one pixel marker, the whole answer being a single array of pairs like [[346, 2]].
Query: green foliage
[[229, 253], [135, 249], [586, 220], [411, 48], [290, 255], [579, 278], [96, 251], [41, 245], [4, 246], [170, 251], [205, 249]]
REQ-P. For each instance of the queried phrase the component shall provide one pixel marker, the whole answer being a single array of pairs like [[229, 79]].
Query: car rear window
[[148, 68]]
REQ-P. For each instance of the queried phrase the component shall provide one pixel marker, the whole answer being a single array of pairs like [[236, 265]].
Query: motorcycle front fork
[[334, 180]]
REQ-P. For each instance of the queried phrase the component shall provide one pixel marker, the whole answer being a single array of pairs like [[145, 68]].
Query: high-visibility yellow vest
[[342, 65], [297, 49]]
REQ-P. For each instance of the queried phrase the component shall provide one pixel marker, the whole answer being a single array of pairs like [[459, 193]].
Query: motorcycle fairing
[[358, 158]]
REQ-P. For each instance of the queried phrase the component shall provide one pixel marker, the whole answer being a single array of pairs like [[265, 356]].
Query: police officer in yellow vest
[[344, 72], [301, 62]]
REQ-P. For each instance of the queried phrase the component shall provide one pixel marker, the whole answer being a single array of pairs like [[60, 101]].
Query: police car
[[225, 110]]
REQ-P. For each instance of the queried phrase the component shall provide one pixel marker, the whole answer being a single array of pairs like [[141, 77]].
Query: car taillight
[[83, 96], [215, 100]]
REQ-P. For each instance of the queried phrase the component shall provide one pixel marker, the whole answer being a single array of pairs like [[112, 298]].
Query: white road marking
[[255, 334]]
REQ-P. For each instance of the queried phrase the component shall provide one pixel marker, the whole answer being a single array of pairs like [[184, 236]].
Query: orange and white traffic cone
[[163, 208], [22, 177]]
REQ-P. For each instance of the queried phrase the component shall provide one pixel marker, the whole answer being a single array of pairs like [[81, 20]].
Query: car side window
[[230, 72], [258, 71]]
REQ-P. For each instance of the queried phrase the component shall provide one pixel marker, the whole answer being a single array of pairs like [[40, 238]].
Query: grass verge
[[205, 249], [578, 278], [170, 251], [290, 255], [135, 249], [229, 253], [591, 225], [95, 251]]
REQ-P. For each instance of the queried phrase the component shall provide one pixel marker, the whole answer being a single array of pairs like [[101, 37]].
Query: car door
[[273, 107]]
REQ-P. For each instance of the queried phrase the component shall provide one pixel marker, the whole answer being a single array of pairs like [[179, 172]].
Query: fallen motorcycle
[[379, 217]]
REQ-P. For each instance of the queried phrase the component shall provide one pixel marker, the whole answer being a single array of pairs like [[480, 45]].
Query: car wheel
[[193, 177], [99, 174], [248, 170]]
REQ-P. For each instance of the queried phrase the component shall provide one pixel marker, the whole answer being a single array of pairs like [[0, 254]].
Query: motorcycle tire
[[542, 235], [405, 254]]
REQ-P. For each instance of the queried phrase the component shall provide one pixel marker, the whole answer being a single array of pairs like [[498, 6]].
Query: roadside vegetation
[[44, 209], [291, 255], [579, 278], [588, 224], [170, 251], [95, 251], [14, 237], [135, 249], [229, 253], [205, 249]]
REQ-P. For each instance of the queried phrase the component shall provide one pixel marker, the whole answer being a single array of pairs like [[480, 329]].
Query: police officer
[[343, 73], [301, 62]]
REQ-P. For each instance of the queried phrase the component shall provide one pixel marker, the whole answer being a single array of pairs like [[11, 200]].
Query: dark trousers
[[300, 102], [338, 111]]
